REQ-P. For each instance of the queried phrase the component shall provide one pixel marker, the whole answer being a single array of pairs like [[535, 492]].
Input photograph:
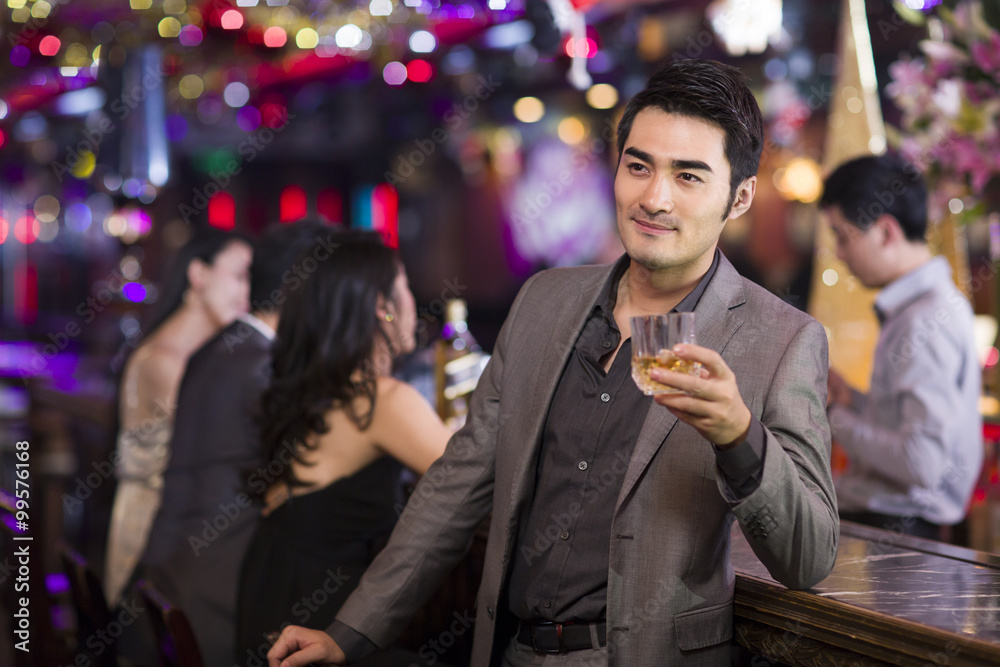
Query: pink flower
[[986, 55]]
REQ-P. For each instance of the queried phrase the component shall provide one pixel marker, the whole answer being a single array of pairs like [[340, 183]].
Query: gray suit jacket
[[670, 580]]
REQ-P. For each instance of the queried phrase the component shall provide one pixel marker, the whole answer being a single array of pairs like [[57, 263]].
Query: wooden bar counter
[[890, 599]]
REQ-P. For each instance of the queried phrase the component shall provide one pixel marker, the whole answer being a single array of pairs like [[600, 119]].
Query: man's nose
[[658, 196]]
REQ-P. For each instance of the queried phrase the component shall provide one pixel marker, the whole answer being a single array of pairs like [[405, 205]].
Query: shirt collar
[[259, 324], [609, 294], [907, 288]]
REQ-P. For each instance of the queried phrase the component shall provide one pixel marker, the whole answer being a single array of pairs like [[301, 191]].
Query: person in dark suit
[[206, 520]]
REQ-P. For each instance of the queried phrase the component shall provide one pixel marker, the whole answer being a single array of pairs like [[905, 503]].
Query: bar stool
[[95, 637], [175, 641]]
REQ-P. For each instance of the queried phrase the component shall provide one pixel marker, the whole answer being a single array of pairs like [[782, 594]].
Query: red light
[[222, 211], [4, 228], [232, 20], [992, 357], [275, 37], [294, 205], [49, 46], [255, 34], [26, 293], [584, 48], [3, 138], [385, 213], [26, 229], [330, 205], [274, 114], [420, 71]]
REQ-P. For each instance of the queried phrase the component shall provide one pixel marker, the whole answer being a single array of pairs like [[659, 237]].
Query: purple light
[[190, 35], [248, 118], [134, 292], [78, 216], [139, 221], [10, 522], [177, 127], [56, 583], [466, 12], [19, 55]]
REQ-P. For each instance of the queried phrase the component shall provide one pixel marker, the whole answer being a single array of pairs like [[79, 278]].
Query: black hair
[[322, 353], [205, 244], [713, 92], [866, 187], [274, 255]]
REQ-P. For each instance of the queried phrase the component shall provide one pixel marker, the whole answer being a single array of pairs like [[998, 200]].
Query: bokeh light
[[394, 73], [529, 109]]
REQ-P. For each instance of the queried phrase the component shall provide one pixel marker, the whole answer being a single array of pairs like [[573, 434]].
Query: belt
[[547, 637]]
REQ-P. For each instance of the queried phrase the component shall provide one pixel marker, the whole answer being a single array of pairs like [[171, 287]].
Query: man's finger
[[708, 358], [291, 650], [692, 385]]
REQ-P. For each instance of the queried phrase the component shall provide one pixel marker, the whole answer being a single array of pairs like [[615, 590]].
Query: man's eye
[[690, 177]]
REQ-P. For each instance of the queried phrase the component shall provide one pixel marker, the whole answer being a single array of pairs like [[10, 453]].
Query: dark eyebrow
[[697, 165], [641, 155], [677, 164]]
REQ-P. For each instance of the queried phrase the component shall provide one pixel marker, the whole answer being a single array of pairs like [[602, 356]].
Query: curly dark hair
[[325, 339]]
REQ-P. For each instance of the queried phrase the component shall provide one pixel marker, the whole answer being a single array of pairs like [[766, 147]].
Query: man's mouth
[[648, 227]]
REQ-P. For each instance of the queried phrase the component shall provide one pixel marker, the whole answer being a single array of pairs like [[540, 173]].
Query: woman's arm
[[405, 426]]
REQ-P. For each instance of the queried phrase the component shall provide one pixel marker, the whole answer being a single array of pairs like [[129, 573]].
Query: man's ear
[[889, 230], [197, 273], [744, 197]]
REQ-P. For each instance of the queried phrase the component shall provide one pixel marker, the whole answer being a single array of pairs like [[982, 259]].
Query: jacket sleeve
[[436, 527], [791, 520]]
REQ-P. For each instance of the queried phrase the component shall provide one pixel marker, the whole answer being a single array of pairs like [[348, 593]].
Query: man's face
[[671, 192], [859, 249]]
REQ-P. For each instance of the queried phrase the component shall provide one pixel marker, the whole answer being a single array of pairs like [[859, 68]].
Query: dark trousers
[[907, 525]]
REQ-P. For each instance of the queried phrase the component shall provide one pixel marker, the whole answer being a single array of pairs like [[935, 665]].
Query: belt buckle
[[555, 651]]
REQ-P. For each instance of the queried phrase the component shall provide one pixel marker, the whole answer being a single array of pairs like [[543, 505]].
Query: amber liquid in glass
[[667, 360]]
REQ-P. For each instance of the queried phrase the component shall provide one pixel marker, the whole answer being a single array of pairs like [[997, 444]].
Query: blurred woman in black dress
[[347, 428]]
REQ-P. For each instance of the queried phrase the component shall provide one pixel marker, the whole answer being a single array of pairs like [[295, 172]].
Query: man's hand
[[711, 403], [298, 647], [837, 390]]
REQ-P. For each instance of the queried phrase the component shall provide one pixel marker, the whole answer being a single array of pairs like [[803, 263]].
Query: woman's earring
[[388, 317]]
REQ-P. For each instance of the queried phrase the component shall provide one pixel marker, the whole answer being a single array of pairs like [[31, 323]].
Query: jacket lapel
[[717, 319], [561, 329]]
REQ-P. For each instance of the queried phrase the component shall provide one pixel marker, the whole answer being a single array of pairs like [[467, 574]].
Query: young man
[[915, 439], [611, 514]]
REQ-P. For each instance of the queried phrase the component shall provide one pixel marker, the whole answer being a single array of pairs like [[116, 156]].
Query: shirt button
[[564, 536], [582, 465], [607, 343], [605, 397], [547, 603]]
